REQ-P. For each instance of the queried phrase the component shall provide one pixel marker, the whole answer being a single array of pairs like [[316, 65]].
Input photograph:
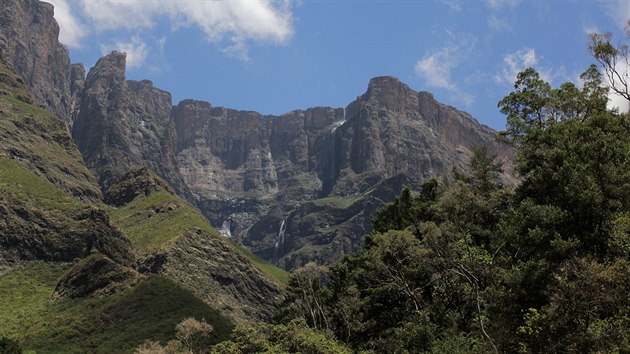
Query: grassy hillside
[[154, 222], [41, 222], [117, 323], [39, 141]]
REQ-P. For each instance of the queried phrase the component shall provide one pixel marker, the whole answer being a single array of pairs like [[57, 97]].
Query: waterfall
[[225, 229], [337, 123], [278, 247]]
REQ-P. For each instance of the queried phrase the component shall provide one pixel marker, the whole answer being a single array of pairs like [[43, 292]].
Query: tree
[[615, 60], [294, 337], [188, 333], [306, 297], [485, 174], [588, 311]]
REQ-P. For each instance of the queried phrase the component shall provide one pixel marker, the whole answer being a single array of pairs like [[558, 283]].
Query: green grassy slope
[[154, 222], [38, 221], [117, 323], [39, 141]]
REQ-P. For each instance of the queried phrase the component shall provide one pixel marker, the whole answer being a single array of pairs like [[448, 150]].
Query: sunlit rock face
[[303, 186]]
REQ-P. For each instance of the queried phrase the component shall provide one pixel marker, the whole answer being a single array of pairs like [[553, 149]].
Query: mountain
[[50, 218], [89, 268], [292, 188], [82, 275], [46, 193], [252, 175]]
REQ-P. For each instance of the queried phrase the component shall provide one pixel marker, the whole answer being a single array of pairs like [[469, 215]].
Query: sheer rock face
[[249, 173], [252, 173], [393, 130], [28, 42], [121, 124]]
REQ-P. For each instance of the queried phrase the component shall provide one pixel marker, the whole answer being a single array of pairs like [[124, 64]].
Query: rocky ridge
[[46, 193], [173, 239]]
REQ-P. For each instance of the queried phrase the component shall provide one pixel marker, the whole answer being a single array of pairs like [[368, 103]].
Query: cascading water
[[225, 229], [278, 247], [336, 124]]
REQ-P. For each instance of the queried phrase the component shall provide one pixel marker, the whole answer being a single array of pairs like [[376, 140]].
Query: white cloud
[[136, 50], [436, 67], [71, 29], [513, 63], [232, 25], [239, 21], [618, 10], [501, 4], [499, 24], [453, 5]]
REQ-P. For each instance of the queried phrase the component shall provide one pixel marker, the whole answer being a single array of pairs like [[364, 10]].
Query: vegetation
[[191, 337], [155, 221], [121, 322], [475, 267], [294, 337], [39, 141], [337, 201]]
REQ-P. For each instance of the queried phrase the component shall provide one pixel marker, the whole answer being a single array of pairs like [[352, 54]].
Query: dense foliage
[[472, 266]]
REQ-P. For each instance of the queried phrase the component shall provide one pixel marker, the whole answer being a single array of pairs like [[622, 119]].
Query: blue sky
[[277, 56]]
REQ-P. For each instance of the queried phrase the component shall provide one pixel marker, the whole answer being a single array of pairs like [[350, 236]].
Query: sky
[[275, 56]]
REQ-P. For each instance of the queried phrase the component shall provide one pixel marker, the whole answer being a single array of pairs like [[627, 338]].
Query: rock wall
[[121, 124], [28, 42]]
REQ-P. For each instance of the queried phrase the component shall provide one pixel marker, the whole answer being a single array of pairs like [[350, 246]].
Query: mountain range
[[106, 179]]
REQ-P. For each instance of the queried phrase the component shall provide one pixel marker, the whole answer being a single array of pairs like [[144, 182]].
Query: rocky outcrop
[[95, 275], [123, 123], [28, 42], [191, 252], [138, 182], [219, 275]]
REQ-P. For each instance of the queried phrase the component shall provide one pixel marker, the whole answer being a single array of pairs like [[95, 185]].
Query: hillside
[[172, 238], [115, 323], [69, 269]]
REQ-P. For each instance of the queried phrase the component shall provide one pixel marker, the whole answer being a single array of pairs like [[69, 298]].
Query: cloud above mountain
[[436, 67], [232, 25]]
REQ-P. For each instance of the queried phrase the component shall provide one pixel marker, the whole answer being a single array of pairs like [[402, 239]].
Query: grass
[[151, 225], [117, 323], [279, 275], [155, 222], [21, 184], [25, 291], [337, 201], [40, 141]]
